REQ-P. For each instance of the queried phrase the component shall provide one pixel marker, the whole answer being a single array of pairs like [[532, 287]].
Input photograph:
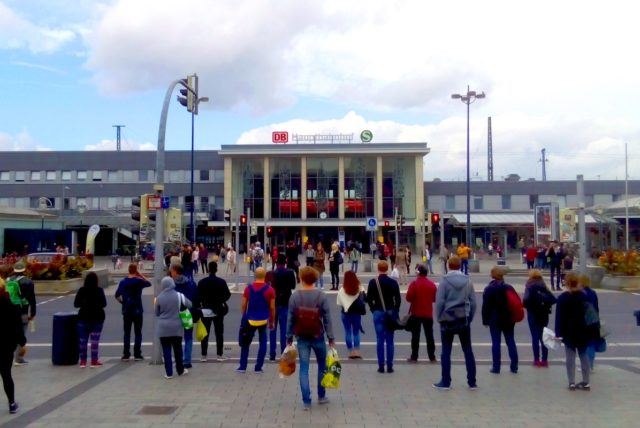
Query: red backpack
[[516, 309]]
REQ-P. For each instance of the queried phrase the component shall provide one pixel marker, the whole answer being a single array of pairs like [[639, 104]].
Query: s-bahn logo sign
[[280, 137]]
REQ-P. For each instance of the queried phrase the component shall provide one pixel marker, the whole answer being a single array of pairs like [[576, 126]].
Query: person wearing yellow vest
[[463, 252]]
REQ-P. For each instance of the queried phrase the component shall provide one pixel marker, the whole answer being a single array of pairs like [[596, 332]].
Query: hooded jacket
[[188, 287], [495, 308], [168, 323], [455, 292]]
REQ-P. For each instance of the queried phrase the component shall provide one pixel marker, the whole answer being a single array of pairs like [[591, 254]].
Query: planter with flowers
[[622, 270]]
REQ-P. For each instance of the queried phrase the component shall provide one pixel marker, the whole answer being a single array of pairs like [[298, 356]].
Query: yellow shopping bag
[[201, 331], [331, 377]]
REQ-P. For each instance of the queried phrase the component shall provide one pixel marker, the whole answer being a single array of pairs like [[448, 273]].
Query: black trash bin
[[64, 341], [637, 315]]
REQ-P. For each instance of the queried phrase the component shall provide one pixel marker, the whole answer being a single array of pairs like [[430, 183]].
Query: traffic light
[[243, 219], [269, 231], [435, 218], [399, 221], [188, 96], [386, 223], [227, 217]]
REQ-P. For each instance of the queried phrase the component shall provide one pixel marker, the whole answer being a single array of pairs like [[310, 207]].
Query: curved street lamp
[[467, 99], [43, 204]]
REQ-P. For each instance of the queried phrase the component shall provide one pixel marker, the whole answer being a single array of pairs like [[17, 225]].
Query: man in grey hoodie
[[455, 308]]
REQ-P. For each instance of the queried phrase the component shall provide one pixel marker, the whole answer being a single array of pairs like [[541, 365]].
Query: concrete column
[[228, 196], [266, 188], [341, 187], [419, 220], [303, 188], [582, 229], [378, 195]]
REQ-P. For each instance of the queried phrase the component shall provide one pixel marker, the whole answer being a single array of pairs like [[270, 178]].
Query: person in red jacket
[[530, 254], [421, 295]]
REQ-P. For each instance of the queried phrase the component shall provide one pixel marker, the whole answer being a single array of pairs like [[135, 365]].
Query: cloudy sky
[[558, 75]]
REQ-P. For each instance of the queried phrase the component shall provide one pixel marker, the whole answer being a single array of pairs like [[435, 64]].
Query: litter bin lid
[[65, 314]]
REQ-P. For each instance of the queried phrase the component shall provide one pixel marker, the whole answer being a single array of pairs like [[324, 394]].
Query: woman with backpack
[[496, 316], [538, 301], [91, 301], [12, 337], [309, 320], [352, 301], [572, 329]]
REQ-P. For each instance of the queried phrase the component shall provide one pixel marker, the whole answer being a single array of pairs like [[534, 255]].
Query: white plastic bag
[[549, 339], [395, 273]]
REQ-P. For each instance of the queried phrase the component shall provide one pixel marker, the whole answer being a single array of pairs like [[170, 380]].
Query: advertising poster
[[173, 224], [567, 225]]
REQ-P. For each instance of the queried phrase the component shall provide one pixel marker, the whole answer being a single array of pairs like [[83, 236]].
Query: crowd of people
[[289, 304]]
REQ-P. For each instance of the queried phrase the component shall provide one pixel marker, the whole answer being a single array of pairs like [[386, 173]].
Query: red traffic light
[[435, 218], [243, 219], [269, 230], [386, 223]]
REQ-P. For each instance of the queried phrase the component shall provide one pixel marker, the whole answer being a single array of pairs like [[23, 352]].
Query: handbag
[[185, 315], [391, 316], [201, 331]]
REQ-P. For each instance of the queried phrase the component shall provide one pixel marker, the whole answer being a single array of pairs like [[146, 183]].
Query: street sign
[[153, 202], [366, 136], [372, 224], [280, 137], [165, 202]]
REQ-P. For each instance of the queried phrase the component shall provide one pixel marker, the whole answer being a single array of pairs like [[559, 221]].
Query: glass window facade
[[35, 176], [204, 175], [129, 176], [248, 186], [506, 202], [322, 187], [398, 188], [359, 187], [20, 175], [51, 175], [478, 203], [66, 175], [112, 176], [5, 175], [286, 188], [82, 175]]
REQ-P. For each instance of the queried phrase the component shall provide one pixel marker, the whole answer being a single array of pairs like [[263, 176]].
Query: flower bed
[[625, 263], [61, 267]]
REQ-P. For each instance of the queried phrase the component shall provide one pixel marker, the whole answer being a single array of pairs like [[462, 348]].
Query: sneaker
[[221, 358], [572, 387], [184, 372], [412, 360], [473, 387], [166, 376], [138, 358], [537, 363], [239, 370], [584, 386], [13, 407], [390, 370], [96, 364], [441, 386], [323, 400], [380, 369], [83, 364], [306, 406], [259, 371], [125, 358], [203, 359], [21, 362], [544, 363]]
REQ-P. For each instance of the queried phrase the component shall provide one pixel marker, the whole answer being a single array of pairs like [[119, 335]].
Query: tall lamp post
[[193, 202], [43, 204], [467, 99]]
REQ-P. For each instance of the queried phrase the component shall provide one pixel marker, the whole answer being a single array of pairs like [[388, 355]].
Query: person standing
[[91, 301], [335, 260], [231, 260], [195, 258], [554, 259], [463, 252], [496, 316], [318, 264], [421, 295], [572, 329], [530, 255], [129, 294], [383, 295], [354, 258], [188, 288], [309, 253], [429, 255], [185, 259], [258, 312], [283, 283], [351, 300], [538, 301], [592, 297], [257, 255], [203, 257], [401, 261], [27, 302], [310, 299], [12, 338], [169, 325], [455, 309], [213, 294]]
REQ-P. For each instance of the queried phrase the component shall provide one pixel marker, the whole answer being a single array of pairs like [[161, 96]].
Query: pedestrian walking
[[354, 258], [319, 265], [203, 257], [383, 297], [421, 295], [455, 309], [12, 338], [169, 325], [572, 329], [496, 316], [213, 295], [231, 260], [538, 301], [592, 297], [283, 283], [21, 288], [186, 286], [351, 299], [91, 302], [129, 294], [258, 312], [310, 332], [335, 260]]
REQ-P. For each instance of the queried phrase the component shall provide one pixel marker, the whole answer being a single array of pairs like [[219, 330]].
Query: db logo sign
[[280, 137]]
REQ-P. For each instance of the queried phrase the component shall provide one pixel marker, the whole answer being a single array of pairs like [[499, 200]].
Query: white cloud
[[126, 145], [21, 142], [17, 32]]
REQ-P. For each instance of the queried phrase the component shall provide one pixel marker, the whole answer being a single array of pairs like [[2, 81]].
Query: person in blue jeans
[[258, 312], [284, 282], [383, 297], [538, 301], [351, 299], [309, 298], [188, 287], [496, 316], [592, 298], [455, 309]]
